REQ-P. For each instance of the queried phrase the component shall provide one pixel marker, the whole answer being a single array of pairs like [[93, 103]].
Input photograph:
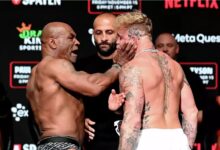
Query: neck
[[105, 57], [144, 43]]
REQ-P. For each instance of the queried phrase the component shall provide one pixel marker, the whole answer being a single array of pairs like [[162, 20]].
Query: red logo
[[16, 2]]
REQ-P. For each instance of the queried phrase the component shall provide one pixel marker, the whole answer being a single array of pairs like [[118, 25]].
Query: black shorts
[[58, 143]]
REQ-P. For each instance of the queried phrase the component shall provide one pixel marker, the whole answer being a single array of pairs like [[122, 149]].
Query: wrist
[[116, 65]]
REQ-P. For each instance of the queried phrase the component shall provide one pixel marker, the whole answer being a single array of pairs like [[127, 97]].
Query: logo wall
[[30, 38]]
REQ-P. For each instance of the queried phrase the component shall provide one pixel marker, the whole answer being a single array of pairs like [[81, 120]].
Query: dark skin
[[54, 86]]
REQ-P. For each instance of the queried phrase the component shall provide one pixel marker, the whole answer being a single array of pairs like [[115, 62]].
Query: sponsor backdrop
[[194, 23]]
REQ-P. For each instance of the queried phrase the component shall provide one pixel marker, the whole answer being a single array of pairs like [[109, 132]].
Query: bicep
[[77, 81]]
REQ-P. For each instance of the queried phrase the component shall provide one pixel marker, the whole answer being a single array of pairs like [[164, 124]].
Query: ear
[[52, 43], [177, 49]]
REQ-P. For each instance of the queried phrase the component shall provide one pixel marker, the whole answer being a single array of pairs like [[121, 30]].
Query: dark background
[[189, 20]]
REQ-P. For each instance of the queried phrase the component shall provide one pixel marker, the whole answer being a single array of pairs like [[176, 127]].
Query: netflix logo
[[201, 4]]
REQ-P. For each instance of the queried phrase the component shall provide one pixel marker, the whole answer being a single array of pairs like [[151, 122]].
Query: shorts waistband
[[59, 139], [161, 130]]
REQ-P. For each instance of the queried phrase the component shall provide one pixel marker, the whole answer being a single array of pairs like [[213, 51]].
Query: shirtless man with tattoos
[[54, 88], [153, 84]]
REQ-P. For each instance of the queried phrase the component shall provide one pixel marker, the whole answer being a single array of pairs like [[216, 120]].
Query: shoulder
[[130, 71], [59, 63], [54, 66]]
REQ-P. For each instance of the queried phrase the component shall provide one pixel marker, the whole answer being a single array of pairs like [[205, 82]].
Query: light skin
[[166, 43], [105, 38], [153, 84], [54, 87]]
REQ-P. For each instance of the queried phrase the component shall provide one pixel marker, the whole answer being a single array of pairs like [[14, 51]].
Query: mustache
[[103, 43]]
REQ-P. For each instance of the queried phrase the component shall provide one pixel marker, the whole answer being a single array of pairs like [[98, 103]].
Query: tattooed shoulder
[[130, 76]]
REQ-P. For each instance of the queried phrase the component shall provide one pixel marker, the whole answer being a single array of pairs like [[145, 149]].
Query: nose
[[164, 49], [77, 42], [104, 37]]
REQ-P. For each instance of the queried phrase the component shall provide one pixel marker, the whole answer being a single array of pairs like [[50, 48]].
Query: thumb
[[113, 91]]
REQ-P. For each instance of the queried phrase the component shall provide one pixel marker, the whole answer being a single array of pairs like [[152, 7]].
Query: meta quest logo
[[30, 38]]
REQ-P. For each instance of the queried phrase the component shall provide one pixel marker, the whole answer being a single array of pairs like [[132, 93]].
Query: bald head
[[166, 42], [53, 29], [105, 18]]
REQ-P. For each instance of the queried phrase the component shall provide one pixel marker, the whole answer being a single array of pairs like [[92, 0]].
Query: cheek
[[97, 39], [118, 41], [113, 40]]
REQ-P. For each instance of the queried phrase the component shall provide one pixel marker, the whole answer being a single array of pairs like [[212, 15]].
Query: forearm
[[128, 138], [189, 125], [119, 111], [113, 72], [100, 81]]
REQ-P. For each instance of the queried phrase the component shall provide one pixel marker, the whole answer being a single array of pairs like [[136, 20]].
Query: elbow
[[195, 114], [196, 111], [95, 91]]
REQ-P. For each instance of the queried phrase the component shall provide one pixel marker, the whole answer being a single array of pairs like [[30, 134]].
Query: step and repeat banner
[[194, 23]]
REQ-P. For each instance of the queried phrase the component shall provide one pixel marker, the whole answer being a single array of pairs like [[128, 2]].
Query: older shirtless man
[[153, 84], [54, 88]]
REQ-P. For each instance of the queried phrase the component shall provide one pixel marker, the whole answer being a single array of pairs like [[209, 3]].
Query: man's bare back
[[159, 95]]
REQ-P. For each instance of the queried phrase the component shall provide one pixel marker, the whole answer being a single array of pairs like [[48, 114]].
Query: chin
[[73, 59]]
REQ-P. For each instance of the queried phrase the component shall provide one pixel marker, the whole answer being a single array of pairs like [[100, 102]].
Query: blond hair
[[137, 22]]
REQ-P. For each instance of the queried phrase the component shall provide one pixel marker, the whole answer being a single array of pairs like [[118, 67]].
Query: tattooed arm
[[190, 112], [131, 85]]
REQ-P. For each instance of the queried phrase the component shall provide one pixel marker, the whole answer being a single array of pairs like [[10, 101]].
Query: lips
[[73, 53], [104, 46]]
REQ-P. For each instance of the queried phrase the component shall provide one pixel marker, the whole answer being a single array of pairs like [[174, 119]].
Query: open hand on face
[[125, 52]]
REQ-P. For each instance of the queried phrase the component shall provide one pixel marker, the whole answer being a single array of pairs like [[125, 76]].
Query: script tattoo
[[163, 63]]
